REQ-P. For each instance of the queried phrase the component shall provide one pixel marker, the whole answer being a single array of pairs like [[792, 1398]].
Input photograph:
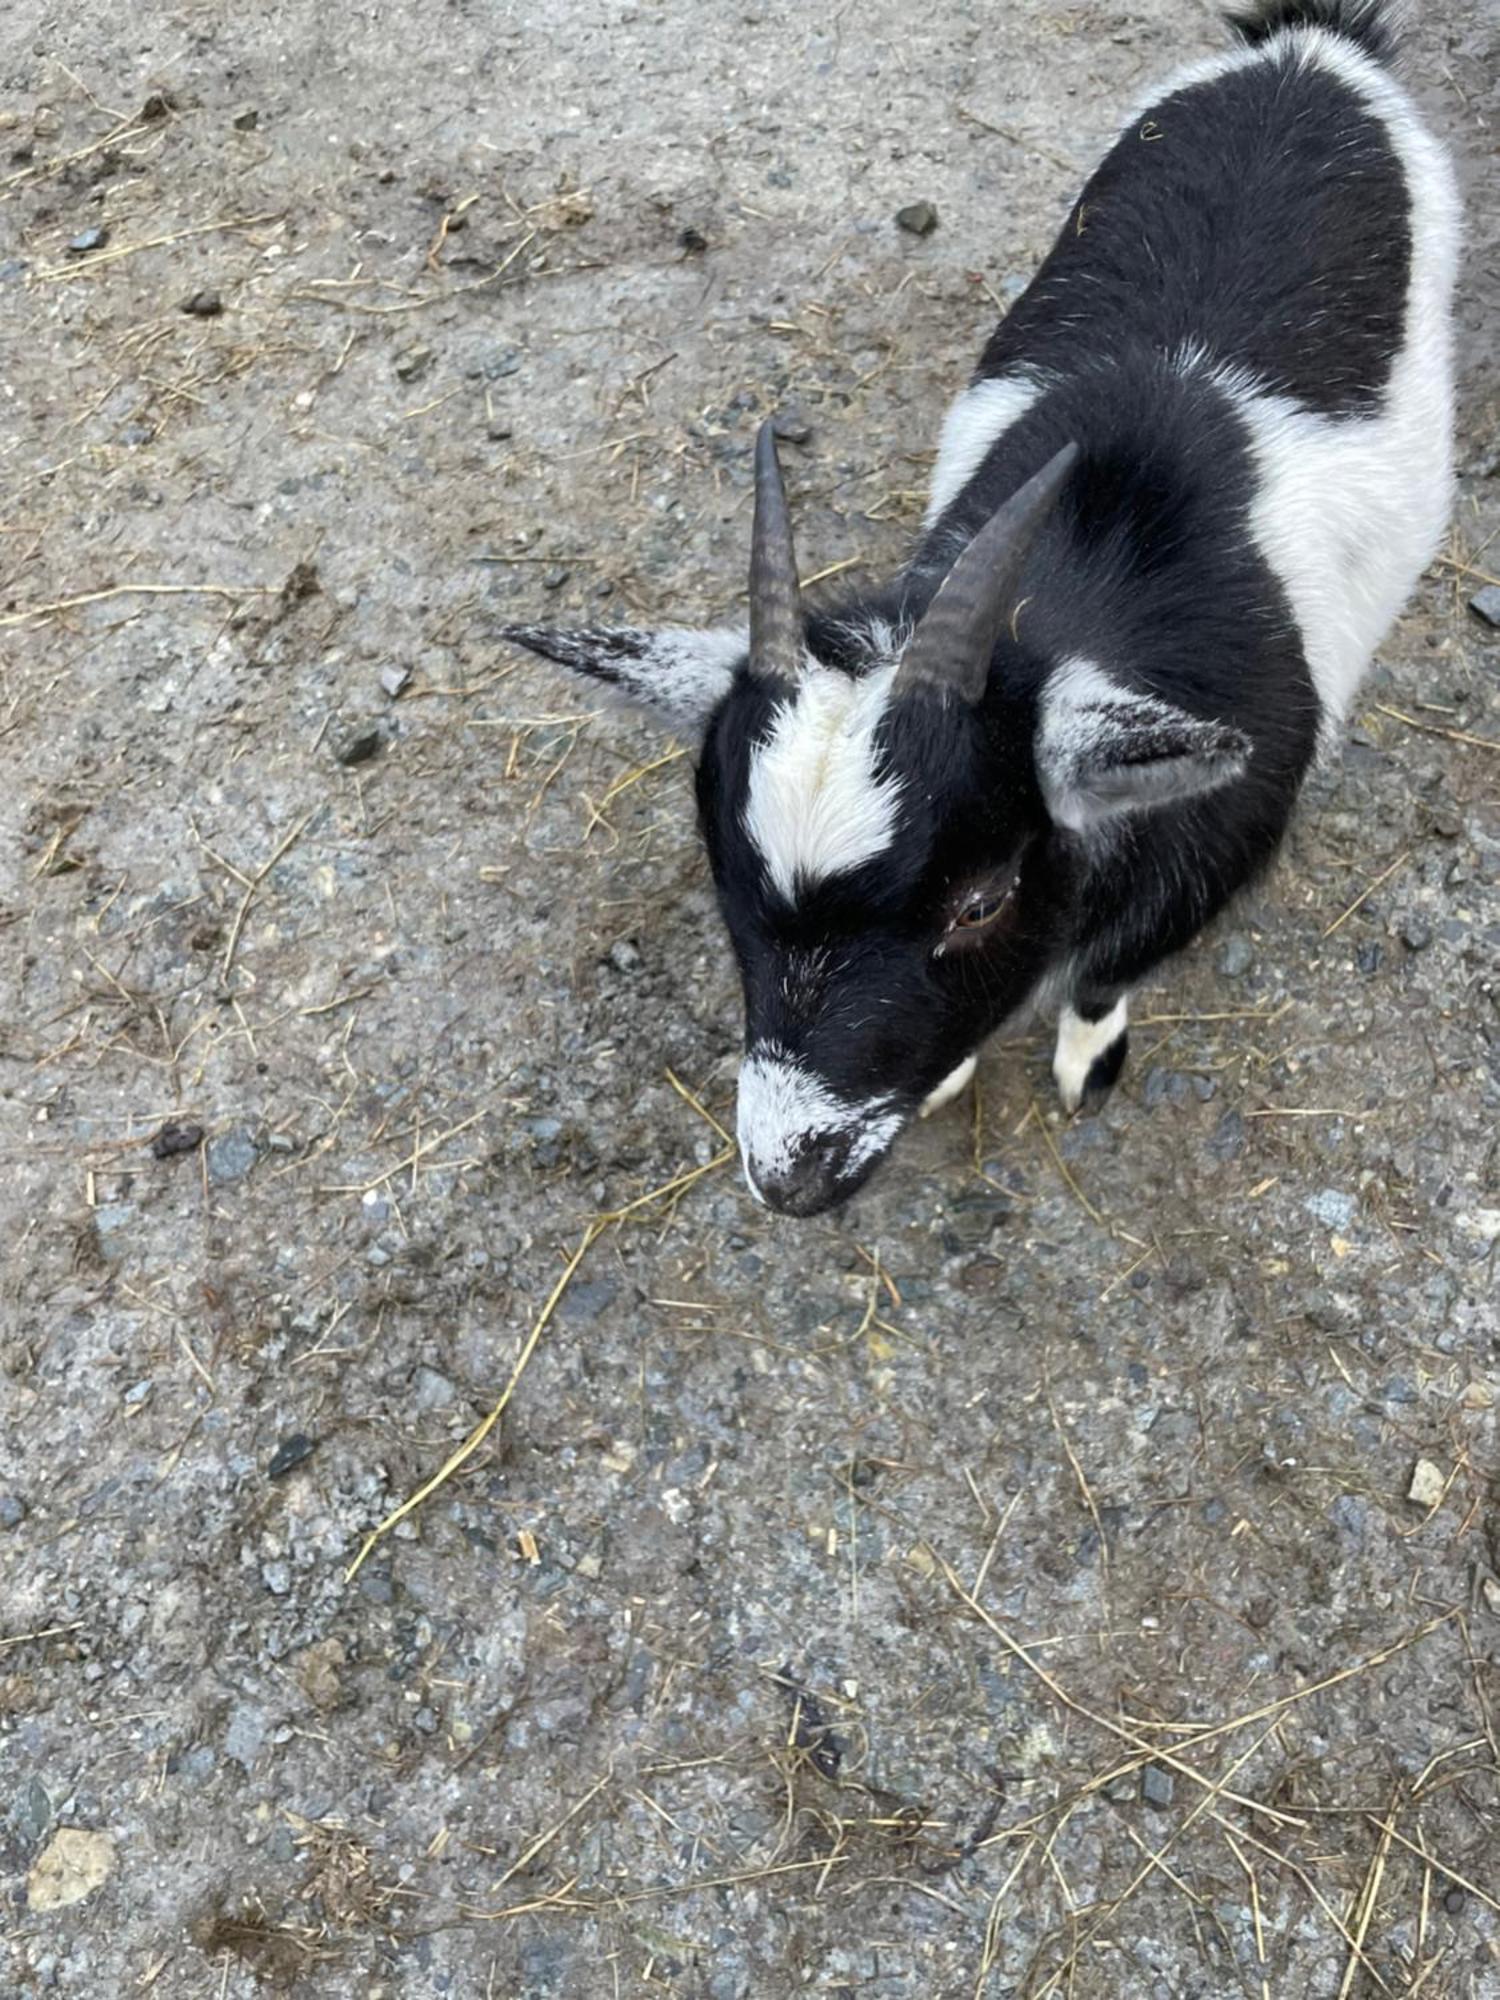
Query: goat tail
[[1372, 25]]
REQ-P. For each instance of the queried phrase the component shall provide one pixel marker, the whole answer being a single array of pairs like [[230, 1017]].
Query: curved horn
[[951, 649], [775, 594]]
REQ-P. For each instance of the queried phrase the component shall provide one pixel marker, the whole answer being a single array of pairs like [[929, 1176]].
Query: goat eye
[[982, 908]]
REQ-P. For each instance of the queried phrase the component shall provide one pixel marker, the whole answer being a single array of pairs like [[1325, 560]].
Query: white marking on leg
[[1080, 1044], [818, 803], [955, 1081], [784, 1108], [976, 417]]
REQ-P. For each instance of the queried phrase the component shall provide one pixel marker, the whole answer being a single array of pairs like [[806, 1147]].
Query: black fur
[[1372, 25], [1261, 217]]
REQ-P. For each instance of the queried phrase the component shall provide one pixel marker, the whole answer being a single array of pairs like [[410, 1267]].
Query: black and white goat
[[1204, 459]]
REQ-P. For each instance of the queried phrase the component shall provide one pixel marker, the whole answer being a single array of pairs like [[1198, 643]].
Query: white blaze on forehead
[[784, 1108], [818, 805]]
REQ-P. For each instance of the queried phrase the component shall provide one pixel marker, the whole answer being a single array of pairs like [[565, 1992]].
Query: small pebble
[[413, 362], [555, 578], [692, 240], [1416, 932], [246, 120], [918, 218], [1236, 957], [1485, 604], [394, 679], [1157, 1786], [792, 427], [498, 432], [12, 1510], [426, 1721], [1453, 1901], [86, 240], [203, 305], [360, 745], [1427, 1483], [231, 1156], [289, 1453], [173, 1139]]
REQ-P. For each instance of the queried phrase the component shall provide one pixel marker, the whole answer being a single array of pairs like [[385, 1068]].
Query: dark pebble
[[12, 1510], [173, 1139], [497, 433], [1453, 1901], [290, 1453], [1368, 957], [86, 240], [1485, 604], [1416, 933], [246, 120], [692, 240], [414, 362], [792, 427], [203, 305], [918, 218], [556, 578], [1157, 1786], [1227, 1140], [361, 746], [157, 106]]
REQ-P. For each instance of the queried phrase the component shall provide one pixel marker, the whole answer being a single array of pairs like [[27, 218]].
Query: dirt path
[[807, 1620]]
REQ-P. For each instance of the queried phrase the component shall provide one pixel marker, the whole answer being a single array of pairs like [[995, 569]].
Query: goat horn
[[951, 649], [776, 644]]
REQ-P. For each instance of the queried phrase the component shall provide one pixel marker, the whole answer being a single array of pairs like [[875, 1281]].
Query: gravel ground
[[1008, 1587]]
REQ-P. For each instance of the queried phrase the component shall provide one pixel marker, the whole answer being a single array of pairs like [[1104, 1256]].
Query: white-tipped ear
[[679, 674], [1102, 749]]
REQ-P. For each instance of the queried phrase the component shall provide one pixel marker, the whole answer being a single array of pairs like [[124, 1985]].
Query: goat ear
[[678, 674], [1102, 750]]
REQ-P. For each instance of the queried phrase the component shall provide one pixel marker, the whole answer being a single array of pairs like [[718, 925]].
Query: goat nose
[[807, 1184]]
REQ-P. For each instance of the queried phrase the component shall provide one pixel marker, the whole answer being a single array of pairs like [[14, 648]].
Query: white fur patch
[[1352, 509], [817, 804], [1089, 722], [955, 1082], [685, 673], [976, 417], [1080, 1044], [783, 1108]]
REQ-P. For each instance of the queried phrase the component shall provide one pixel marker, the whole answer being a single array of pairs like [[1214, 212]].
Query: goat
[[1203, 460]]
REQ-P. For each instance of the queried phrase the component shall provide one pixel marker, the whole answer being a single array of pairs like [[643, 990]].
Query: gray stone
[[231, 1156], [13, 1510], [1157, 1786], [245, 1733], [587, 1298], [918, 218], [432, 1391], [361, 744], [31, 1812], [1236, 956], [1332, 1207], [1485, 604]]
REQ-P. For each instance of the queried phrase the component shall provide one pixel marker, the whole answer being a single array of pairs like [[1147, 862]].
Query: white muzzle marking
[[785, 1110]]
